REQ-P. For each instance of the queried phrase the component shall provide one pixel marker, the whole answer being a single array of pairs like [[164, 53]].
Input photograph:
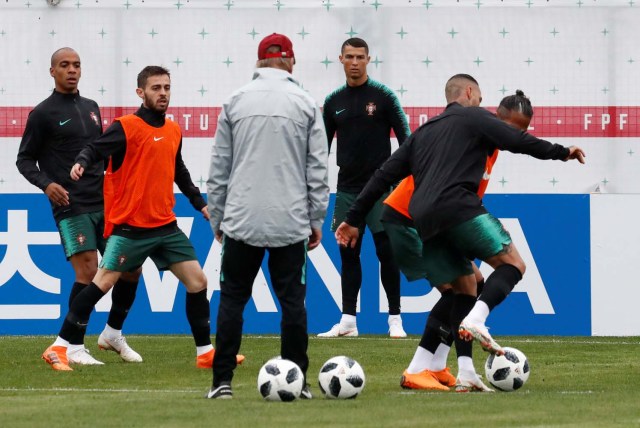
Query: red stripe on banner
[[568, 121]]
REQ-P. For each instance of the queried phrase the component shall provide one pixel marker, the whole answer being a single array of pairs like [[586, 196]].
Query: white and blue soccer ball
[[507, 372], [280, 380], [341, 377]]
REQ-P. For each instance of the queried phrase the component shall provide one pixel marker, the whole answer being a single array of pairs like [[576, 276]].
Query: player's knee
[[520, 265], [133, 276], [85, 272], [198, 284]]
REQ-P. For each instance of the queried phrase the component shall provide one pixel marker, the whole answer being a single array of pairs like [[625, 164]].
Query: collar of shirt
[[66, 96], [151, 117], [273, 73]]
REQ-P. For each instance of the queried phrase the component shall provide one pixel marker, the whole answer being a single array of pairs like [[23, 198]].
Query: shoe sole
[[82, 363], [487, 344], [225, 394], [347, 334], [221, 397], [469, 389]]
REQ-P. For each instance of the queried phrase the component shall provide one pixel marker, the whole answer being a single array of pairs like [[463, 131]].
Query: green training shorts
[[126, 254], [407, 250], [449, 253], [344, 200], [82, 232]]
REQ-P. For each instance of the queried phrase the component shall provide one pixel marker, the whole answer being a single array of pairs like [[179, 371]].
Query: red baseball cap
[[275, 39]]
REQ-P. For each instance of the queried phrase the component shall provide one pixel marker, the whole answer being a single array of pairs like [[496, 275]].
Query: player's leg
[[389, 271], [446, 265], [435, 344], [79, 240], [508, 271], [239, 266], [464, 299], [485, 238], [122, 297], [76, 320], [175, 252], [288, 272], [439, 361], [351, 272], [197, 308]]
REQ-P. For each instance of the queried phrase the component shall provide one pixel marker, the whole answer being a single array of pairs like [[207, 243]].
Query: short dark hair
[[518, 102], [54, 56], [463, 76], [148, 71], [355, 42], [453, 88]]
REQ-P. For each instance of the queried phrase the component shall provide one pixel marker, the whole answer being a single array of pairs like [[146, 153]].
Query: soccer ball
[[507, 372], [341, 377], [280, 380]]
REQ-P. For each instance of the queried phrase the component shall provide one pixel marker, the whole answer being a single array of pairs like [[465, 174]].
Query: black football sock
[[198, 315], [499, 285], [462, 304], [75, 290], [75, 323], [76, 338], [122, 297], [437, 329]]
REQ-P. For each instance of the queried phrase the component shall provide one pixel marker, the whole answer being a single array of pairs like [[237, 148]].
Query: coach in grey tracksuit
[[267, 190]]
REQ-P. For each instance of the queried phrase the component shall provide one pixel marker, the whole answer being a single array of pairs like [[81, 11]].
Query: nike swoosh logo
[[64, 123], [157, 139], [340, 111], [340, 333]]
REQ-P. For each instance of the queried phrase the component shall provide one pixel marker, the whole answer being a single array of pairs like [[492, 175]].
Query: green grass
[[574, 382]]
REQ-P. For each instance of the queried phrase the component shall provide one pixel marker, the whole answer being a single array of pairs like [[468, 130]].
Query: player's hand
[[205, 213], [76, 172], [576, 152], [57, 194], [219, 235], [314, 239], [347, 235]]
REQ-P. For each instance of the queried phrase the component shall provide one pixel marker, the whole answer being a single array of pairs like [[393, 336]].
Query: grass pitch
[[574, 382]]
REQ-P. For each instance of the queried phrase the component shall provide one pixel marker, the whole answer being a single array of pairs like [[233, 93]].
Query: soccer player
[[427, 369], [57, 129], [268, 191], [146, 160], [447, 157], [362, 113]]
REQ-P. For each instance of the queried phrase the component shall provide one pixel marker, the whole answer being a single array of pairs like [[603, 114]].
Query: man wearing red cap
[[267, 190]]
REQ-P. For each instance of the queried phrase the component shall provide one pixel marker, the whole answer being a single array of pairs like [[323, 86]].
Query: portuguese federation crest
[[370, 108], [94, 116]]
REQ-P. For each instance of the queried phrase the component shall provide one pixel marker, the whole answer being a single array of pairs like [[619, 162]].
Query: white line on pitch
[[160, 391]]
